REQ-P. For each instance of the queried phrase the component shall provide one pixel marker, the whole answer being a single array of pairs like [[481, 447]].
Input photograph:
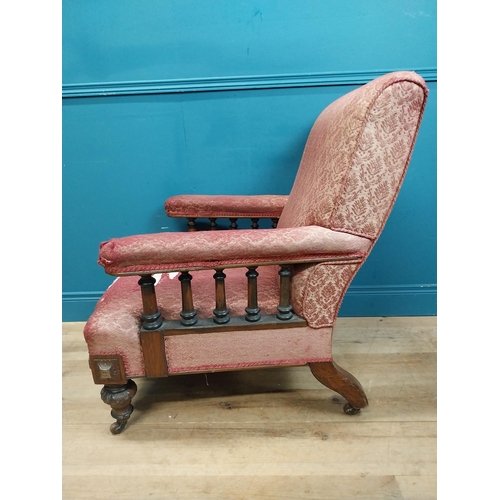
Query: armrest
[[225, 206], [166, 252]]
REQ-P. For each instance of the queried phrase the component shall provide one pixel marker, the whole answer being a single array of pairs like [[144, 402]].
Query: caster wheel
[[117, 427], [350, 410]]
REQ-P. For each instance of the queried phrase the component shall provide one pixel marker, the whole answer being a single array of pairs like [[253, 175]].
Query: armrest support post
[[188, 313], [151, 316], [253, 309], [221, 312], [284, 307]]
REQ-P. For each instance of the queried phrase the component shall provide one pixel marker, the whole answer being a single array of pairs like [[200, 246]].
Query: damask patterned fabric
[[318, 290], [356, 157], [209, 249], [351, 171], [225, 206], [223, 350]]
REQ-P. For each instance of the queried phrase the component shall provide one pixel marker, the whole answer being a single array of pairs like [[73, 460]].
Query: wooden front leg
[[119, 397]]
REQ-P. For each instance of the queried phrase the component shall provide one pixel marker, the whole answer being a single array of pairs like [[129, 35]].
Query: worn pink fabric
[[114, 326], [223, 350], [351, 171], [318, 290], [225, 206], [356, 156], [150, 253]]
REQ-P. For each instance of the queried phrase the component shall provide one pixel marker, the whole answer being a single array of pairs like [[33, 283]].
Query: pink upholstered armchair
[[205, 301]]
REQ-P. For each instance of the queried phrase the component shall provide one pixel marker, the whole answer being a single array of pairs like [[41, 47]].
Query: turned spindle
[[253, 309], [255, 223], [188, 313], [221, 312], [275, 222], [213, 223], [284, 307], [191, 225], [233, 224], [151, 316]]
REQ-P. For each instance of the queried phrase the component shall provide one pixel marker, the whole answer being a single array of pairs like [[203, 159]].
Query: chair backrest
[[356, 157], [351, 172]]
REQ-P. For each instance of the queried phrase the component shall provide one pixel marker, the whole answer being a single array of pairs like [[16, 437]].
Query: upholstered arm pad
[[225, 206], [165, 252]]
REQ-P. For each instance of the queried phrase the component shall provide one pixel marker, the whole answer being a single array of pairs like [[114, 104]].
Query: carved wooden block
[[107, 369]]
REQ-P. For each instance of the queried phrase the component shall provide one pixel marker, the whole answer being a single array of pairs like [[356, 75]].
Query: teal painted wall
[[169, 97]]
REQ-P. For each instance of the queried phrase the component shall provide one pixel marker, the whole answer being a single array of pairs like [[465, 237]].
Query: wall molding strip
[[104, 89], [391, 289], [81, 296]]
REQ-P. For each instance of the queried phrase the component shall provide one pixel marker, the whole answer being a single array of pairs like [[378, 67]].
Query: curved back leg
[[341, 381]]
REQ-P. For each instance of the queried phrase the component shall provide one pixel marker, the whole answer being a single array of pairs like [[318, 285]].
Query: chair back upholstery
[[356, 157], [352, 168]]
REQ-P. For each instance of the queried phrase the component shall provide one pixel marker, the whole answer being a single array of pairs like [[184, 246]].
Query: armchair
[[267, 297]]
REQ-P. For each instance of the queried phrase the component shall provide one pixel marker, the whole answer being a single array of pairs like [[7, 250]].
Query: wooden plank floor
[[263, 434]]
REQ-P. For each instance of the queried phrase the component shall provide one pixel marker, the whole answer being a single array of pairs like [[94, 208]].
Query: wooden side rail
[[154, 327]]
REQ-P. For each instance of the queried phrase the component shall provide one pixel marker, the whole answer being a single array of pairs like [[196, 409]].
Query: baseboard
[[78, 306], [360, 301], [390, 300]]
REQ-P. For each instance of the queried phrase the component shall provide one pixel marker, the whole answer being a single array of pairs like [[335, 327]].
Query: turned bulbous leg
[[119, 398]]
